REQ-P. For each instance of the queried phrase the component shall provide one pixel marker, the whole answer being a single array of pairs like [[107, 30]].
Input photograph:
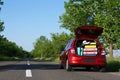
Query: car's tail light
[[103, 52], [72, 51]]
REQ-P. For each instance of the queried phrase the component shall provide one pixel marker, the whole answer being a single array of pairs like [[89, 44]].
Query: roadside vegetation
[[113, 64], [50, 49], [103, 13], [8, 49]]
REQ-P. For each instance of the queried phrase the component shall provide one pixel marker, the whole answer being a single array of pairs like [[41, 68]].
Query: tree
[[109, 19], [1, 26], [40, 47], [45, 48], [59, 41], [103, 13], [1, 23], [10, 49]]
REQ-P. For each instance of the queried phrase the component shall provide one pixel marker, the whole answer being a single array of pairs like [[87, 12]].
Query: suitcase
[[93, 43], [79, 51], [95, 52], [90, 53], [90, 49], [90, 46]]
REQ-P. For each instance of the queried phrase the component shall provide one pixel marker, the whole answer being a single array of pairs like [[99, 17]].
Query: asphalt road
[[46, 70]]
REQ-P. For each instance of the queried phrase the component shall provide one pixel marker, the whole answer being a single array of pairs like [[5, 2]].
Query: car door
[[65, 52]]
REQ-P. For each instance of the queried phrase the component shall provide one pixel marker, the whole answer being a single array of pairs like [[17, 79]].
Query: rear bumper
[[88, 61]]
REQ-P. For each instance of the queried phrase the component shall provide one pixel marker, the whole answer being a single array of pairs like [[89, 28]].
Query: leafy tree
[[10, 49], [40, 45], [1, 23], [103, 13], [109, 19], [59, 40], [1, 3], [1, 26], [45, 48]]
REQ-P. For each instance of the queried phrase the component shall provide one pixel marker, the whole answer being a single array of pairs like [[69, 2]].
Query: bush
[[56, 60], [113, 64], [8, 58]]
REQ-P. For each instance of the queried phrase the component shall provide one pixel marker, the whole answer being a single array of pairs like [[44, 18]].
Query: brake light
[[103, 52], [72, 51]]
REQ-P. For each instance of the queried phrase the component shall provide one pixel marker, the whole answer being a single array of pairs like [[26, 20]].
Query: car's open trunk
[[86, 48], [88, 32], [87, 36]]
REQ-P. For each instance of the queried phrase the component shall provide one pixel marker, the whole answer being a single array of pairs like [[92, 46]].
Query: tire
[[102, 69], [88, 68], [68, 67], [61, 66]]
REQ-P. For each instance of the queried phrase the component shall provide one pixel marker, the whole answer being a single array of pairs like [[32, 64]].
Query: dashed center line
[[28, 62], [28, 71]]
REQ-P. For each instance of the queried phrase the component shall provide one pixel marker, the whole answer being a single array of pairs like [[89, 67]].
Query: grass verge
[[113, 64], [8, 58], [48, 59]]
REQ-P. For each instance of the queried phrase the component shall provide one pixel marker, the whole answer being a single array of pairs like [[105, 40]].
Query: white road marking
[[28, 62], [28, 73]]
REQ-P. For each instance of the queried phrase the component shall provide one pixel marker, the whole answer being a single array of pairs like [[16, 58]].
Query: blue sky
[[27, 20]]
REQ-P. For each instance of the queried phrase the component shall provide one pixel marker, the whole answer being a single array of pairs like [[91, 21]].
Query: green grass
[[48, 59], [113, 64], [56, 60], [8, 58], [43, 58]]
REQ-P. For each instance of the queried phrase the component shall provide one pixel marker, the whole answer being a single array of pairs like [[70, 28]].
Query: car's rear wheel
[[100, 69], [68, 67], [88, 68]]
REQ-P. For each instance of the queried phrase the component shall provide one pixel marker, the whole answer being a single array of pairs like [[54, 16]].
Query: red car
[[84, 50]]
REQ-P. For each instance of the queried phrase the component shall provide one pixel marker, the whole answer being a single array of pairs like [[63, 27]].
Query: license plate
[[88, 60]]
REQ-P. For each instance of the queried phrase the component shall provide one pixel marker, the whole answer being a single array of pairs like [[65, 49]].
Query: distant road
[[46, 70]]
